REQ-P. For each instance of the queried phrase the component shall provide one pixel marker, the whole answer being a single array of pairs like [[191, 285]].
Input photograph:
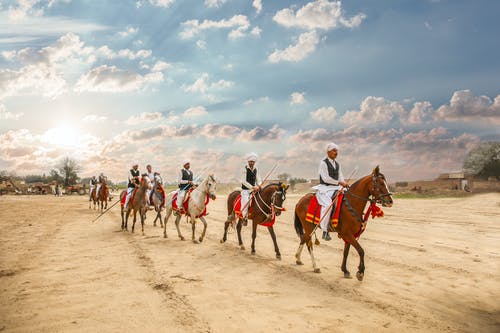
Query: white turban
[[186, 161], [332, 146], [252, 157]]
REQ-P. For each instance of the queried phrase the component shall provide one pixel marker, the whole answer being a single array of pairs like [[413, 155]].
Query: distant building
[[457, 179]]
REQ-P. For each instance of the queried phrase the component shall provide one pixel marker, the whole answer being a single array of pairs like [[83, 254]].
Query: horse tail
[[298, 226]]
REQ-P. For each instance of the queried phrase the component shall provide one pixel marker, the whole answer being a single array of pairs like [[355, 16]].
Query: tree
[[283, 176], [294, 181], [54, 176], [483, 161], [68, 169]]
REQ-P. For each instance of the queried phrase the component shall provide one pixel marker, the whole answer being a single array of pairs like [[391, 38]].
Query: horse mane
[[357, 182], [272, 184]]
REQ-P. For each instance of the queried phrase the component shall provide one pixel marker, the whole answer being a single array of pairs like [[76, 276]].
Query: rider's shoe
[[326, 236]]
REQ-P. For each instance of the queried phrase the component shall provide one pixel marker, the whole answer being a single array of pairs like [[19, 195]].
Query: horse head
[[211, 186], [380, 190], [146, 183], [158, 179], [279, 196]]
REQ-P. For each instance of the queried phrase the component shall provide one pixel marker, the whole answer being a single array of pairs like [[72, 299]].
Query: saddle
[[185, 204], [237, 207], [313, 214], [161, 193]]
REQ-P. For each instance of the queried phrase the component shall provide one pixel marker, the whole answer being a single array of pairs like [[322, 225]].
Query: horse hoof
[[278, 256], [317, 270], [182, 238], [222, 241], [360, 276], [200, 239], [242, 247], [165, 236], [347, 275], [253, 252], [298, 262], [196, 241]]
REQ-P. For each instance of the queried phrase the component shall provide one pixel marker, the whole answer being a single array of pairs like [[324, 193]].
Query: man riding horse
[[92, 184], [249, 183], [331, 180], [151, 176], [100, 180], [133, 182], [185, 181]]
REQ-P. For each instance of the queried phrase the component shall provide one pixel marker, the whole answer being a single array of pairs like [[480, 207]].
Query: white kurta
[[245, 194], [151, 176], [324, 192]]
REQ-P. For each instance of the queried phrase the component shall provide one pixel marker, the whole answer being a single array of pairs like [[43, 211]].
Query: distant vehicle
[[77, 188]]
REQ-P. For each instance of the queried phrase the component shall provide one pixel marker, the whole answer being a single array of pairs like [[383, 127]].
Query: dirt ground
[[432, 265]]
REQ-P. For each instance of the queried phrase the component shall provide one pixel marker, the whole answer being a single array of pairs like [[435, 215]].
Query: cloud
[[140, 54], [162, 3], [297, 98], [263, 99], [5, 115], [464, 106], [144, 117], [204, 86], [256, 31], [374, 111], [324, 115], [306, 44], [238, 23], [257, 4], [214, 3], [201, 44], [259, 134], [320, 14], [112, 79], [94, 118], [160, 66], [195, 111], [129, 31]]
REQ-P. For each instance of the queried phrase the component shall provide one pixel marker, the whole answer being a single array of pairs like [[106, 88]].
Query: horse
[[266, 205], [137, 203], [158, 199], [198, 199], [103, 195], [93, 197], [351, 224]]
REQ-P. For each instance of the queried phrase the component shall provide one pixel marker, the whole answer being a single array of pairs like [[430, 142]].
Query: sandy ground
[[432, 265]]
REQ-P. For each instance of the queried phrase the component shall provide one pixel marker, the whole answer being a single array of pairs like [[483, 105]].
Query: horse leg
[[193, 227], [239, 225], [311, 252], [143, 215], [254, 235], [361, 268], [273, 236], [167, 216], [202, 219], [127, 214], [177, 220], [228, 222], [299, 253], [347, 274], [135, 218]]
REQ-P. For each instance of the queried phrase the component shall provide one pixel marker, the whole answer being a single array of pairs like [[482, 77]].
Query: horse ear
[[376, 171]]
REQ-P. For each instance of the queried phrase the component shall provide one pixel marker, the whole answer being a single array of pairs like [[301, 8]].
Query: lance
[[106, 211], [331, 205]]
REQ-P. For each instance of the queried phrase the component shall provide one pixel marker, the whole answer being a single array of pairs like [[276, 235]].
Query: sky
[[411, 86]]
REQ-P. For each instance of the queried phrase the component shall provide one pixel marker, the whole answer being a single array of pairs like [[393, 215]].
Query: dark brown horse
[[371, 188], [137, 203], [266, 204], [103, 195], [93, 197]]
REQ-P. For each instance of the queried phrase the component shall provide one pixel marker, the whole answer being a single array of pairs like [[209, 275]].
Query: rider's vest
[[92, 182], [186, 175], [131, 181], [251, 177], [332, 172]]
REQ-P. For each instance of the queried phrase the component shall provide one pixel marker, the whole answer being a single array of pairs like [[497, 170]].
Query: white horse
[[196, 205]]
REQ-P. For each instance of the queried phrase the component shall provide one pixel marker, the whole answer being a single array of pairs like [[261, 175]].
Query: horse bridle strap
[[378, 198]]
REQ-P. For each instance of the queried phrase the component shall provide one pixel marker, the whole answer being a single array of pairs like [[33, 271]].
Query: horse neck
[[360, 188], [267, 192]]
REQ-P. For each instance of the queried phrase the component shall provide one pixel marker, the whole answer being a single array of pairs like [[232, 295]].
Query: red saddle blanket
[[237, 208], [313, 214], [122, 202], [185, 204], [161, 191]]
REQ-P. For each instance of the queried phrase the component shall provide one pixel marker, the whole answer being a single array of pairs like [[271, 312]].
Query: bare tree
[[68, 168]]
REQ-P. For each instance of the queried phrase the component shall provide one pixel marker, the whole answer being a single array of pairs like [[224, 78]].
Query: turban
[[134, 163], [252, 157], [332, 146], [186, 161]]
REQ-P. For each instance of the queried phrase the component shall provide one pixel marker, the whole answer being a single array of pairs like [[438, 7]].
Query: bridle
[[376, 194], [272, 207]]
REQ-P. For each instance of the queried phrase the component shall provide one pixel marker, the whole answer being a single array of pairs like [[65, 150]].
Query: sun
[[63, 135]]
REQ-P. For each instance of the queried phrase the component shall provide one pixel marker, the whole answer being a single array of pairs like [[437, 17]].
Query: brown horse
[[351, 224], [137, 203], [103, 195], [93, 197], [266, 205]]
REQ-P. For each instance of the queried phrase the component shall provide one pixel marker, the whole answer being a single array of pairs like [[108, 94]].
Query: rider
[[151, 176], [185, 180], [249, 183], [92, 184], [133, 182], [331, 180], [100, 180]]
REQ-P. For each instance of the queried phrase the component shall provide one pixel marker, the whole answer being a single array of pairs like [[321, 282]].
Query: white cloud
[[258, 133], [464, 106], [324, 115], [256, 31], [23, 9], [112, 79], [297, 98], [238, 23], [201, 44], [306, 44], [263, 99], [320, 14], [214, 3], [127, 53], [257, 4], [144, 117], [161, 66], [94, 118], [162, 3], [195, 111], [6, 115], [374, 111], [203, 85], [129, 31]]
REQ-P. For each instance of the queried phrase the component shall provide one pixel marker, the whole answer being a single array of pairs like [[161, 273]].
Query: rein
[[272, 207]]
